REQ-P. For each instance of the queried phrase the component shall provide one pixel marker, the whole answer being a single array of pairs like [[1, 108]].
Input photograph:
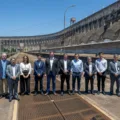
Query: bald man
[[3, 77]]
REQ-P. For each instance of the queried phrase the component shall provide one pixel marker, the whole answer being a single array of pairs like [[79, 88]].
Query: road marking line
[[15, 110]]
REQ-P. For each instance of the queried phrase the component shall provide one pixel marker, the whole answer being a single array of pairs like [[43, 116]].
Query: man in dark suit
[[90, 70], [114, 69], [39, 69], [65, 68], [3, 77], [13, 72], [52, 69]]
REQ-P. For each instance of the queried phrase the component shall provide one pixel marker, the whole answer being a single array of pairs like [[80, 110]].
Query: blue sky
[[37, 17]]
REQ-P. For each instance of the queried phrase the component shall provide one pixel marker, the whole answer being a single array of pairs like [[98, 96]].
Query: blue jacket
[[1, 68], [39, 68]]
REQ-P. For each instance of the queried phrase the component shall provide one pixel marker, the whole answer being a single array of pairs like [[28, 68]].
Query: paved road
[[108, 104], [57, 109]]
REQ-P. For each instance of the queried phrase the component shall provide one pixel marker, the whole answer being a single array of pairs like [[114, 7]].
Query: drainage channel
[[57, 108]]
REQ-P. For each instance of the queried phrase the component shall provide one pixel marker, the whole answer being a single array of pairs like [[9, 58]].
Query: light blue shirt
[[77, 66], [4, 63]]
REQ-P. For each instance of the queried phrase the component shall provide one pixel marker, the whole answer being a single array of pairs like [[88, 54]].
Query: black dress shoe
[[7, 96], [62, 93], [73, 92], [41, 93], [55, 93], [28, 94], [69, 92], [92, 92], [118, 94], [103, 92], [21, 93], [17, 98], [1, 96], [47, 93], [86, 91], [25, 93], [98, 92], [35, 93], [10, 99], [79, 92], [111, 93]]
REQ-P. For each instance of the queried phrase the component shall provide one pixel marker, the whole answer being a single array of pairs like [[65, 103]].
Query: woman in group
[[25, 69]]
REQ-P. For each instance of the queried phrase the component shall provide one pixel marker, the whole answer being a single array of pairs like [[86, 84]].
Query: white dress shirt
[[25, 67], [39, 63], [13, 68], [101, 65], [51, 62], [65, 65], [116, 67], [90, 68]]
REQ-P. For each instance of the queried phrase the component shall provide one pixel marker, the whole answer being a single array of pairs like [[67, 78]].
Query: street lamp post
[[65, 24], [65, 14]]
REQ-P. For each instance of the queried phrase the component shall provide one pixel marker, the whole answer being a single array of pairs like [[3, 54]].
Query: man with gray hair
[[114, 69], [3, 77], [90, 70], [13, 72]]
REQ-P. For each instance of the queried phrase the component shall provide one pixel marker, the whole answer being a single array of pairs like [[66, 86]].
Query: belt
[[76, 72]]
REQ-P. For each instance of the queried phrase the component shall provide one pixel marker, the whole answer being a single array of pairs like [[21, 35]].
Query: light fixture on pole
[[65, 14], [65, 24]]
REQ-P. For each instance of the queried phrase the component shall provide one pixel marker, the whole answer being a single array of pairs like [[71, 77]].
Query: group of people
[[11, 72]]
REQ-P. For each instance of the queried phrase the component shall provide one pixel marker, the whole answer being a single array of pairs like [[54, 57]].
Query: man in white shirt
[[90, 71], [101, 67], [13, 72], [51, 70], [65, 67], [114, 69], [77, 72]]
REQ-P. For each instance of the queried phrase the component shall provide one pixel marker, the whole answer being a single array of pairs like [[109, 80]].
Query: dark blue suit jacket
[[39, 69], [86, 70], [1, 68]]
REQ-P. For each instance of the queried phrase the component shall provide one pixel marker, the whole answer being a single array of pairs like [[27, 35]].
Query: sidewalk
[[6, 108]]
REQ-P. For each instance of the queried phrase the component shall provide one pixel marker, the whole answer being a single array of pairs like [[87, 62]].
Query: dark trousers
[[37, 79], [63, 78], [113, 80], [74, 77], [101, 80], [24, 84], [13, 88], [87, 80], [53, 77]]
